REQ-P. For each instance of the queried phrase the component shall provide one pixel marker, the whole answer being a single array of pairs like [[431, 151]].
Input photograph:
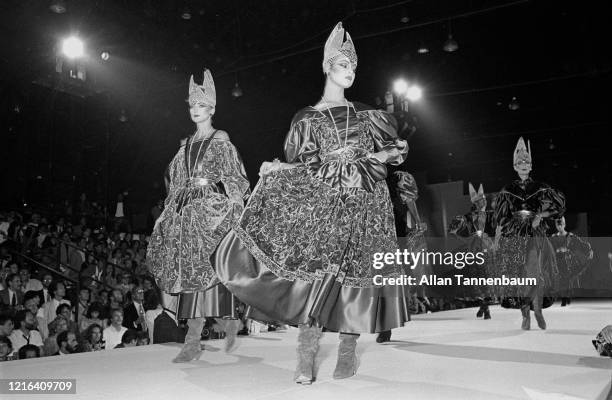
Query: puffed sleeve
[[386, 142], [301, 144], [553, 201], [233, 174]]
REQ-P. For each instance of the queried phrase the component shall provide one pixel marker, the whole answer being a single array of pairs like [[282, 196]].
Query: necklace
[[336, 127]]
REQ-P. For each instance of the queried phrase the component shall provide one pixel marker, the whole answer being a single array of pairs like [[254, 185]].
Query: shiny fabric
[[196, 216], [572, 253], [526, 251], [302, 252]]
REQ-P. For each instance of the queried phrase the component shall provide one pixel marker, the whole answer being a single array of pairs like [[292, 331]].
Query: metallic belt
[[200, 182]]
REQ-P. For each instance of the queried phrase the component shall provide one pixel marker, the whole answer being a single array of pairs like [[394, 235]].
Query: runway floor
[[446, 355]]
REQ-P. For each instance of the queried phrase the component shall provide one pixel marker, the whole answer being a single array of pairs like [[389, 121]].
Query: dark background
[[57, 135]]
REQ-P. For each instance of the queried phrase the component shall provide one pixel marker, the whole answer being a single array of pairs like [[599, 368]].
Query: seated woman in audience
[[29, 351], [6, 348], [93, 316], [92, 339], [58, 325]]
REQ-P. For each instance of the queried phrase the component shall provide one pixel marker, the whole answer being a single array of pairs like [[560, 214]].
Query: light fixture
[[123, 116], [58, 6], [414, 93], [73, 47], [400, 87], [105, 55], [422, 49], [551, 145], [451, 44], [514, 104], [237, 91], [186, 14], [404, 19]]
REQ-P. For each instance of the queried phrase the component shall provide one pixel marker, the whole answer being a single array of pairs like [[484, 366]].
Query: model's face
[[523, 168], [560, 223], [481, 204], [342, 73], [200, 112]]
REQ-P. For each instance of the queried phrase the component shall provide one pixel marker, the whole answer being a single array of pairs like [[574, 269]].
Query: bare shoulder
[[221, 135]]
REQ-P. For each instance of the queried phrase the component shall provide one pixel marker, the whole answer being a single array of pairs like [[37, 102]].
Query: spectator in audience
[[125, 286], [134, 312], [64, 311], [28, 283], [67, 343], [31, 301], [113, 334], [47, 279], [57, 326], [6, 349], [6, 325], [29, 351], [92, 339], [116, 299], [11, 298], [129, 339], [25, 332], [83, 303], [57, 290], [143, 339], [93, 316], [153, 309]]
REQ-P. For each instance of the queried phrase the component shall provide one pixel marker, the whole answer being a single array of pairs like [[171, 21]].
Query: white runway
[[445, 355]]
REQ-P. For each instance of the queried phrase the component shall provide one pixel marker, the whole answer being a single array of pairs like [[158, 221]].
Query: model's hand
[[607, 333]]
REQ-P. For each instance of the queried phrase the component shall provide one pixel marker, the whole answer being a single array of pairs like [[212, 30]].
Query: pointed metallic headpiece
[[336, 46], [522, 153], [204, 93], [474, 195]]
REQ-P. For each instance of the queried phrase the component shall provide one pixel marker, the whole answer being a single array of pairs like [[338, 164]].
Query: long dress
[[572, 254], [303, 250], [526, 251], [206, 186]]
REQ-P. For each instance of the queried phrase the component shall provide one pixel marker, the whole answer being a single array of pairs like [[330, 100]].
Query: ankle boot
[[526, 318], [308, 346], [480, 312], [383, 337], [192, 349], [487, 313], [232, 326], [347, 360]]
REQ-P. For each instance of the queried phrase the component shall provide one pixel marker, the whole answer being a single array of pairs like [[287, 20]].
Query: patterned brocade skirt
[[184, 237], [303, 254]]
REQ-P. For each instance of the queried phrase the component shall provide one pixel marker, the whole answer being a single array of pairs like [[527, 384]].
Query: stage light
[[451, 44], [400, 87], [404, 20], [514, 104], [237, 91], [423, 49], [123, 116], [414, 93], [58, 6], [186, 14], [105, 55], [73, 47]]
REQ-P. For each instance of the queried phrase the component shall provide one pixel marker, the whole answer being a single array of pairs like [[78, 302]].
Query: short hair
[[28, 347], [95, 306], [59, 308], [4, 318], [53, 287], [30, 294], [20, 316], [129, 336], [63, 337], [7, 341], [114, 310], [10, 278]]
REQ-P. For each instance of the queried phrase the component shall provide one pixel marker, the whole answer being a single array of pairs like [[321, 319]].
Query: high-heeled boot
[[232, 326], [192, 349], [526, 325], [347, 360], [308, 346]]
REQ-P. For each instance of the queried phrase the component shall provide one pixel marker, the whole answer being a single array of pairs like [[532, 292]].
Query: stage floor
[[445, 355]]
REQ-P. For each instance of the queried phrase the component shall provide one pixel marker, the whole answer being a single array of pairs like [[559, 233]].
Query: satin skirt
[[323, 302], [216, 302]]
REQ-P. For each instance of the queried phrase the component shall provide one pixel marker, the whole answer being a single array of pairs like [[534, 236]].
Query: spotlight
[[123, 116], [514, 104], [73, 47], [423, 49], [551, 145], [414, 93], [58, 6], [105, 55], [451, 44], [404, 20], [400, 87], [237, 91], [186, 14]]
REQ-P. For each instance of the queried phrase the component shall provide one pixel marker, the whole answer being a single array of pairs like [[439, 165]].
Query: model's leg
[[347, 360], [538, 300], [231, 326], [308, 346], [525, 310], [192, 348]]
